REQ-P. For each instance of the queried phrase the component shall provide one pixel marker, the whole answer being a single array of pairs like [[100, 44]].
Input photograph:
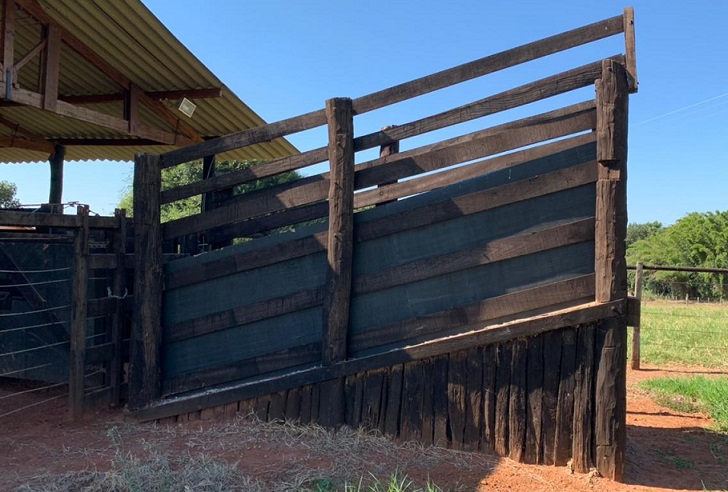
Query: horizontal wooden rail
[[32, 219], [498, 139], [462, 73], [430, 214], [658, 268], [477, 335], [497, 250], [554, 85], [547, 87]]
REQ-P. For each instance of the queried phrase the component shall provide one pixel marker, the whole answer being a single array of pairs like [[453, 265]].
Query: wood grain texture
[[630, 49], [518, 401], [394, 401], [565, 404], [490, 355], [340, 245], [473, 400], [583, 434], [440, 400], [534, 408], [412, 400], [79, 300], [456, 396]]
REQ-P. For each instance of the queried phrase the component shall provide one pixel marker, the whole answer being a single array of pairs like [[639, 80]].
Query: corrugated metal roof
[[129, 37]]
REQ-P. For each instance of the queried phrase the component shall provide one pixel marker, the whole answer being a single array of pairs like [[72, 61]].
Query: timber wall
[[497, 254]]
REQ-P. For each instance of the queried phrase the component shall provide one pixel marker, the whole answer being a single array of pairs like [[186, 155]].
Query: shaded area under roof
[[133, 42]]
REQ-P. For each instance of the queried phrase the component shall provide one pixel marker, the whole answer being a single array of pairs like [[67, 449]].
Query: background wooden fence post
[[117, 322], [611, 268], [79, 305], [146, 335], [337, 295], [385, 151], [638, 281]]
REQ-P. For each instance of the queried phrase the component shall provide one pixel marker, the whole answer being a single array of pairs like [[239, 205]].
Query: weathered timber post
[[55, 194], [79, 305], [117, 321], [385, 151], [340, 245], [611, 269], [630, 49], [638, 281], [146, 333]]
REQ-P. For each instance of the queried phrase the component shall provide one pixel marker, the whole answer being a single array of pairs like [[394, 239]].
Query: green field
[[674, 333]]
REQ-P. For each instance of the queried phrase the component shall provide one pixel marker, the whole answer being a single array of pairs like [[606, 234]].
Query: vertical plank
[[340, 244], [456, 388], [231, 410], [79, 304], [51, 67], [412, 399], [8, 34], [247, 407], [372, 411], [55, 193], [353, 400], [262, 403], [305, 417], [636, 329], [552, 342], [502, 398], [534, 410], [565, 404], [428, 402], [277, 408], [440, 401], [315, 403], [518, 401], [293, 405], [331, 406], [394, 401], [583, 390], [489, 392], [630, 49], [131, 108], [385, 151], [473, 400], [116, 367], [611, 268], [146, 336]]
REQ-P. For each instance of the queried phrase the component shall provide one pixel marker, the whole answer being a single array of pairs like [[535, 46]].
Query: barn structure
[[468, 293]]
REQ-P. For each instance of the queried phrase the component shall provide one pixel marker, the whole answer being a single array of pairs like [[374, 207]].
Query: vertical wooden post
[[117, 322], [55, 195], [638, 281], [146, 334], [79, 294], [51, 67], [337, 296], [386, 151], [631, 50], [611, 268], [8, 40], [212, 200]]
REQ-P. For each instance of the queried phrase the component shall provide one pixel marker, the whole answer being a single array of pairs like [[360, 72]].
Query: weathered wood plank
[[32, 219], [428, 402], [440, 400], [372, 407], [552, 342], [565, 404], [456, 396], [489, 393], [518, 401], [306, 403], [473, 400], [340, 245], [331, 403], [525, 94], [583, 400], [534, 409], [277, 407], [412, 399], [394, 401], [502, 398], [353, 396], [79, 308], [146, 338], [477, 337], [630, 49], [293, 405]]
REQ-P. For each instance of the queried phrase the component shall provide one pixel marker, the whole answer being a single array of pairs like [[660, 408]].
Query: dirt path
[[667, 450]]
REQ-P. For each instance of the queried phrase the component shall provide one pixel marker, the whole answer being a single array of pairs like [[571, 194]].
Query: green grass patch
[[693, 394], [693, 334]]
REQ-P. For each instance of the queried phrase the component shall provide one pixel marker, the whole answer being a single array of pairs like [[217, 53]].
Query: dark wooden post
[[55, 195], [630, 48], [341, 229], [638, 281], [386, 151], [211, 201], [79, 303], [611, 268], [146, 333], [117, 322]]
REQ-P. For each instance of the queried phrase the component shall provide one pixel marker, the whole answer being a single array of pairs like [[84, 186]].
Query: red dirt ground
[[667, 450]]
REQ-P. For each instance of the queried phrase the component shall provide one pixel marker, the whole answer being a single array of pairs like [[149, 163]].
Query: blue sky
[[284, 58]]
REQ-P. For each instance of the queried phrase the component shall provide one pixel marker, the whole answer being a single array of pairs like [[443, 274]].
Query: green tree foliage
[[637, 232], [191, 172], [7, 195], [696, 240]]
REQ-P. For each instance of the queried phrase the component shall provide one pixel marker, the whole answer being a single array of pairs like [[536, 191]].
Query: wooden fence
[[498, 254], [89, 348]]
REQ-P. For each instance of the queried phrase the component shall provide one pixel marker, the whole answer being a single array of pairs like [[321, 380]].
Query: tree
[[696, 240], [191, 172], [637, 232], [7, 195]]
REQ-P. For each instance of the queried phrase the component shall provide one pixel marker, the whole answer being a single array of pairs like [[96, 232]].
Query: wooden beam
[[29, 56], [116, 369], [340, 247], [631, 49], [79, 304], [211, 93], [20, 143], [8, 40], [55, 194], [611, 269], [51, 67], [146, 338], [131, 108]]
